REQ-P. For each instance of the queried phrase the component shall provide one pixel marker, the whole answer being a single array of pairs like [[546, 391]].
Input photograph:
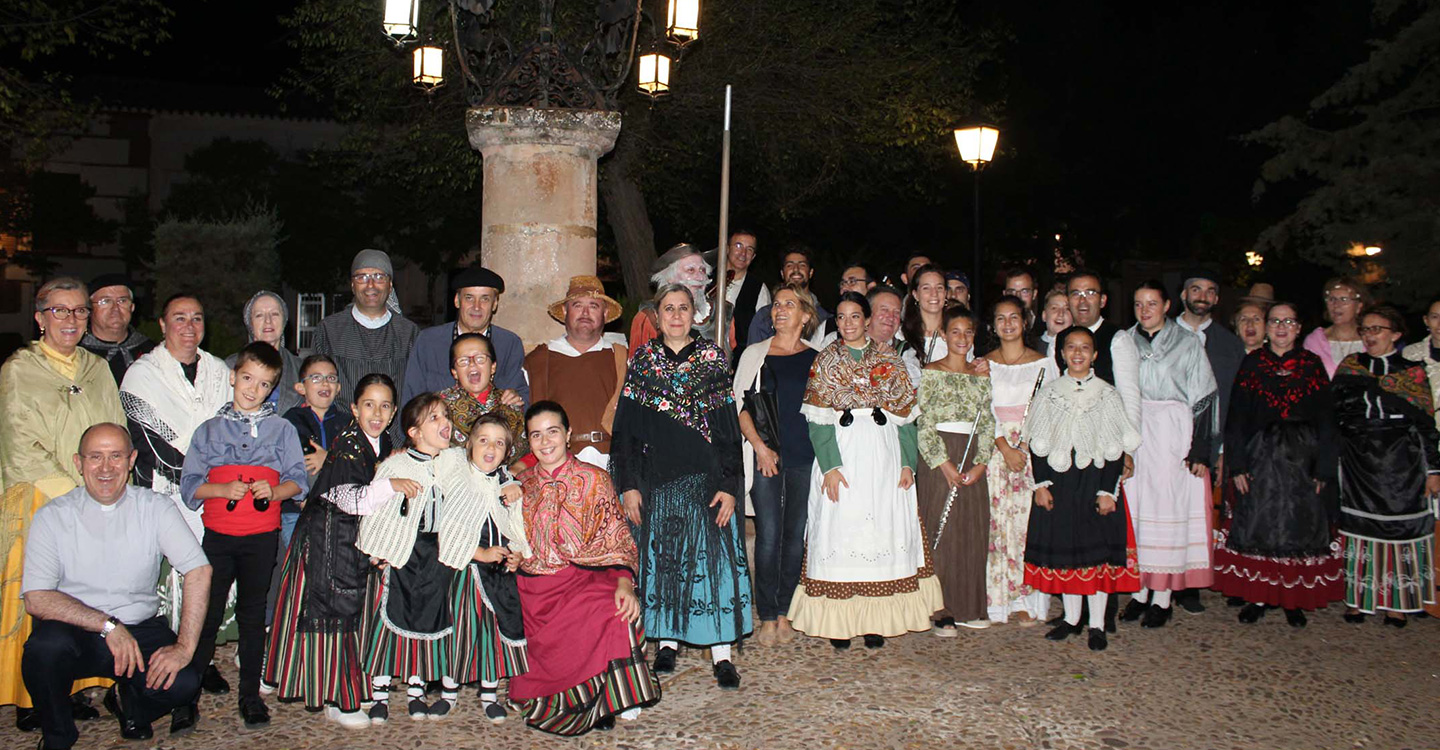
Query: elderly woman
[[866, 568], [1276, 548], [50, 392], [1249, 324], [778, 455], [677, 464], [472, 364], [1389, 467], [266, 316], [1345, 300]]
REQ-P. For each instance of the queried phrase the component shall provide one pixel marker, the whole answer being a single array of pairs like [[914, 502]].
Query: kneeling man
[[92, 558]]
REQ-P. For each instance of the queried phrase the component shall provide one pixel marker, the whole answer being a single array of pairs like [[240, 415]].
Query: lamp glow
[[1372, 251], [654, 75], [977, 144], [401, 19], [429, 66], [1254, 258], [683, 21]]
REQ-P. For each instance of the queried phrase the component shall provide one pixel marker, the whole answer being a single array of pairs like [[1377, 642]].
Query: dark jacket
[[311, 428]]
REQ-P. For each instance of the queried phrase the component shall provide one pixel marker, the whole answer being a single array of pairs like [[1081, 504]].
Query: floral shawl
[[878, 380]]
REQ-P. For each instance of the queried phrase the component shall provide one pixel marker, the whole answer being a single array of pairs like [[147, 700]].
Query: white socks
[[1097, 609], [1071, 602], [670, 644], [720, 653], [1161, 599]]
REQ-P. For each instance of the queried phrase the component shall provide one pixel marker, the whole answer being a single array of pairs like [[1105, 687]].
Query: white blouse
[[1011, 387]]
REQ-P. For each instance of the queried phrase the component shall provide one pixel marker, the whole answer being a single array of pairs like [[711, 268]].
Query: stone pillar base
[[539, 213]]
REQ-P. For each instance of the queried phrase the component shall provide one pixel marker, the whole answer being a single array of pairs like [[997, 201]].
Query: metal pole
[[720, 257], [975, 279]]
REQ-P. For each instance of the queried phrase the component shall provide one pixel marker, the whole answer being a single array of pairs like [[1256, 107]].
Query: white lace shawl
[[1080, 423]]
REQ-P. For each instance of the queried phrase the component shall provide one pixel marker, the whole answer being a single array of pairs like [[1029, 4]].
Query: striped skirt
[[481, 653], [318, 668], [390, 649], [1394, 576], [626, 683]]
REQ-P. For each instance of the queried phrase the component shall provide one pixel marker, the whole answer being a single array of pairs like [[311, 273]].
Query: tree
[[837, 105], [35, 102], [1367, 156], [223, 261]]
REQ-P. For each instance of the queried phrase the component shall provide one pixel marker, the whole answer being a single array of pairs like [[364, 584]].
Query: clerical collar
[[369, 322]]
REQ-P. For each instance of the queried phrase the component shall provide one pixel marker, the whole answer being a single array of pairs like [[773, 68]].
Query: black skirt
[[1073, 534], [1282, 515]]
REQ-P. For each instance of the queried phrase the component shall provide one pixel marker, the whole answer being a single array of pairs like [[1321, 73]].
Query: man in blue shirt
[[477, 297]]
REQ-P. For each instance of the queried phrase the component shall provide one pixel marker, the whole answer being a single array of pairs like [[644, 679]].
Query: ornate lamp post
[[543, 105], [977, 147]]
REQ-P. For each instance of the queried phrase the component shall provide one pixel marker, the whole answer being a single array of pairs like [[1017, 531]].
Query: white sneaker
[[975, 624], [266, 688], [348, 719]]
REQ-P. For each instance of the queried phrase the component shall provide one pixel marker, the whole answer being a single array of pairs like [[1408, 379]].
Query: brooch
[[74, 390]]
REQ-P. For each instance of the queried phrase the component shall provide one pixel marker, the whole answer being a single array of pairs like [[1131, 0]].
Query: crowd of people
[[403, 512]]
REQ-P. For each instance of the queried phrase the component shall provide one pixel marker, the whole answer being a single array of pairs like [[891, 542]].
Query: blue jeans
[[782, 506]]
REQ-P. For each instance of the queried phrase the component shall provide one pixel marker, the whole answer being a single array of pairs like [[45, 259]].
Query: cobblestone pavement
[[1204, 681]]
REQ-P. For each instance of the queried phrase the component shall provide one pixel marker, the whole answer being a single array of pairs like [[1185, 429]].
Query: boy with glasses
[[318, 419]]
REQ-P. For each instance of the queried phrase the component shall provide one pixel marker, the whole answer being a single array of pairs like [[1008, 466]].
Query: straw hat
[[585, 286], [1263, 294]]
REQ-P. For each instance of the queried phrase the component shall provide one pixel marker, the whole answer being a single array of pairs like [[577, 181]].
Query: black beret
[[111, 279], [477, 276]]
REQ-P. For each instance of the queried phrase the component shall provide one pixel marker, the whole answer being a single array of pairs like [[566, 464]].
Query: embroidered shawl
[[684, 389], [878, 380], [573, 517], [464, 410], [1393, 374]]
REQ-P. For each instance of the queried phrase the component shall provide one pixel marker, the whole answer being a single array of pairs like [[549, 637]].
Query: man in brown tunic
[[583, 369]]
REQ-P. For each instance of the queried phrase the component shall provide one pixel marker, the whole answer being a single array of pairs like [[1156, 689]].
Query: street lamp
[[653, 77], [401, 19], [682, 23], [977, 147], [429, 66]]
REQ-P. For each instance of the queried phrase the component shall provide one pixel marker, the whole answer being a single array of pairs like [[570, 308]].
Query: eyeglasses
[[854, 281], [365, 278], [741, 247], [118, 302], [1284, 322], [1084, 293], [479, 359], [1339, 299], [317, 379], [1374, 329], [1023, 291], [64, 313]]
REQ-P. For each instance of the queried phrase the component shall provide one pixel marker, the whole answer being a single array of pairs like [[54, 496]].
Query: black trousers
[[57, 654], [247, 562]]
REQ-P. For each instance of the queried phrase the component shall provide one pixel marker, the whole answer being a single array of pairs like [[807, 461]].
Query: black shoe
[[212, 682], [1133, 609], [1189, 599], [1395, 622], [1355, 618], [840, 644], [27, 720], [494, 712], [183, 720], [874, 641], [1156, 617], [1251, 613], [726, 676], [254, 712], [1056, 620], [1234, 601], [130, 729], [1296, 618], [1098, 641], [1112, 606], [1062, 631], [605, 724], [664, 661], [80, 708]]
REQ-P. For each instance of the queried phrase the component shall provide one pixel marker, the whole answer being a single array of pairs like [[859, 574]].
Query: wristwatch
[[109, 627]]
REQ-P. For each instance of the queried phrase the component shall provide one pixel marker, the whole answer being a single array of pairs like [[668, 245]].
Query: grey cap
[[372, 259]]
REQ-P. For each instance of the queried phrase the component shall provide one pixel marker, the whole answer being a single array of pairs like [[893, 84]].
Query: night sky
[[1120, 128]]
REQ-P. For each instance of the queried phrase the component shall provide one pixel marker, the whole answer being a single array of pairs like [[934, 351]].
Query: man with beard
[[583, 369], [797, 266], [370, 335], [111, 337], [477, 293], [683, 265], [1199, 294]]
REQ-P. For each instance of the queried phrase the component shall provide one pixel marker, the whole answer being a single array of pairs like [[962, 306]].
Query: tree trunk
[[629, 220]]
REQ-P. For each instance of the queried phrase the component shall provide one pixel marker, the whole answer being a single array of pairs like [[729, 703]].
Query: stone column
[[538, 216]]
